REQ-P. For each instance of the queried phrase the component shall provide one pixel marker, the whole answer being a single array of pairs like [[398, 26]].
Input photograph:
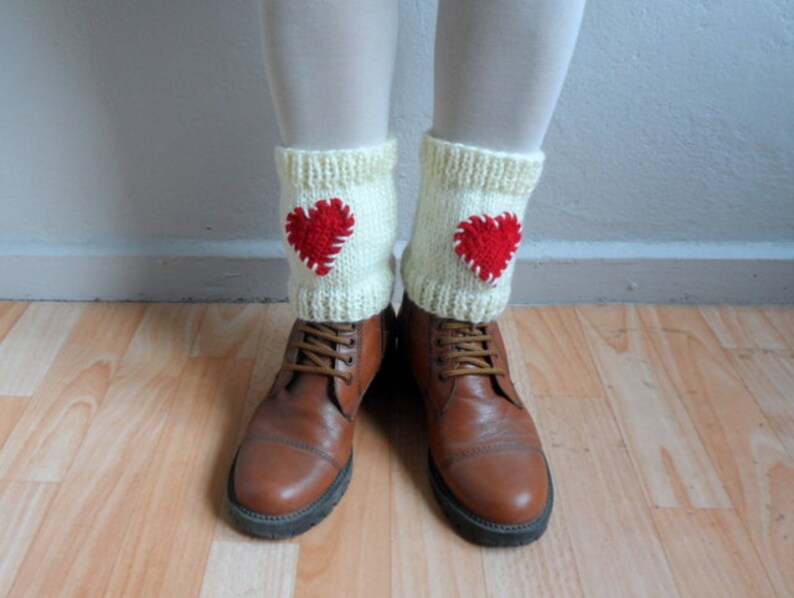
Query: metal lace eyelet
[[439, 361], [349, 360], [352, 342]]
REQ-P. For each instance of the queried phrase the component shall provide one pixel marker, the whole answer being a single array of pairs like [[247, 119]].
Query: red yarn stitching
[[319, 234], [487, 243]]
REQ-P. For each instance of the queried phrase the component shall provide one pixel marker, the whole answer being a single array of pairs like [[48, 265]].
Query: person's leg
[[499, 69], [329, 65]]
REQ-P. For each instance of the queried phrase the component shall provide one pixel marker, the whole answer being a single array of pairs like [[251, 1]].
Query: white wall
[[136, 152]]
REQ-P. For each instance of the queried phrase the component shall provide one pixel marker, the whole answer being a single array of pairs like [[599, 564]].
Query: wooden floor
[[670, 432]]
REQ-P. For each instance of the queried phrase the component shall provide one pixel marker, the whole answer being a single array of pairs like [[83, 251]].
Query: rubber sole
[[277, 527], [482, 531]]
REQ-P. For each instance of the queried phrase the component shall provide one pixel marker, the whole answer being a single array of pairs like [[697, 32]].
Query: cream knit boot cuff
[[339, 221], [459, 263]]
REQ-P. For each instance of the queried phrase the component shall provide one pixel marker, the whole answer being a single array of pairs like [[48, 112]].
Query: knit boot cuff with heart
[[339, 221], [459, 263]]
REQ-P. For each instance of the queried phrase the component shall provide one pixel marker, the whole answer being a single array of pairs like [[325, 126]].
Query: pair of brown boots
[[486, 464]]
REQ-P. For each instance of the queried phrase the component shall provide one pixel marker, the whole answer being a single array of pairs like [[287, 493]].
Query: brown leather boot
[[487, 467], [295, 460]]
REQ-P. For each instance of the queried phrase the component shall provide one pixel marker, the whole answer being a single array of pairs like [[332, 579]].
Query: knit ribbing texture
[[338, 212], [460, 260]]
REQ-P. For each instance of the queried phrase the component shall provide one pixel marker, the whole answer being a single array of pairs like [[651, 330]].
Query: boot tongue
[[477, 384], [309, 382]]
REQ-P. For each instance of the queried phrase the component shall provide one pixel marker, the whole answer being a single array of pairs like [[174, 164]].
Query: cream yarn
[[460, 261], [338, 213]]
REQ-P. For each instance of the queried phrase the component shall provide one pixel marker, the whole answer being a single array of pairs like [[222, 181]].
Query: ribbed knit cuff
[[460, 260], [339, 217], [467, 167], [353, 302], [444, 299], [327, 169]]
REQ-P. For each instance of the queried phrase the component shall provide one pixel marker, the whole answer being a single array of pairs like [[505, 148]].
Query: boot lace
[[467, 341], [319, 341]]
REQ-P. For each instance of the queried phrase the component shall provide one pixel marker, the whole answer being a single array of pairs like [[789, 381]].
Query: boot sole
[[278, 527], [482, 531]]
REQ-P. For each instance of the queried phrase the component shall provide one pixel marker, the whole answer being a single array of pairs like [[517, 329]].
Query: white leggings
[[499, 68]]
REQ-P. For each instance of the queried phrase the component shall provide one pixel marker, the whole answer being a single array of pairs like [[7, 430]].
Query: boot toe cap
[[506, 488], [277, 480]]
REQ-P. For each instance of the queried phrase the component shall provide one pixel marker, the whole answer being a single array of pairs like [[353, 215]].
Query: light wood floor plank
[[752, 462], [617, 550], [251, 569], [769, 375], [341, 557], [739, 327], [238, 564], [517, 362], [56, 418], [137, 511], [28, 350], [675, 468], [170, 533], [10, 312], [428, 557], [544, 568], [557, 355], [275, 327], [547, 567], [22, 508], [782, 318], [11, 409], [230, 330], [711, 554], [84, 528]]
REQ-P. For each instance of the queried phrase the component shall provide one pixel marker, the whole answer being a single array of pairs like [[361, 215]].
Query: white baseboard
[[549, 272]]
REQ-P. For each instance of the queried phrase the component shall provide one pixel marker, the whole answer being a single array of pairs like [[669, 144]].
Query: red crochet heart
[[487, 243], [319, 234]]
